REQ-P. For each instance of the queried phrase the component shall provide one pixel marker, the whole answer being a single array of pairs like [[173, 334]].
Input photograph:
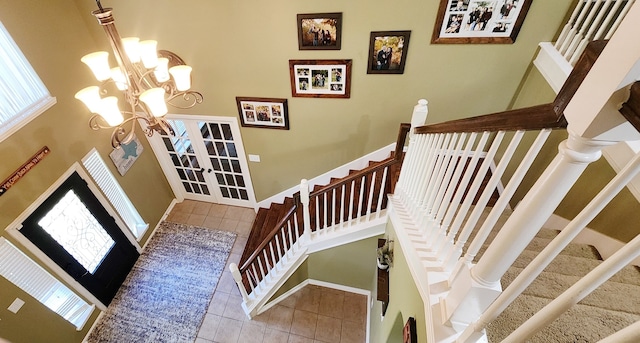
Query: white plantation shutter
[[23, 96], [23, 272], [117, 197]]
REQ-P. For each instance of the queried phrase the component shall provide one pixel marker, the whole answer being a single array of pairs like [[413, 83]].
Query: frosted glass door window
[[71, 224]]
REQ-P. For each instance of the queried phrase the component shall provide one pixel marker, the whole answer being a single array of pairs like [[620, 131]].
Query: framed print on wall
[[320, 78], [269, 113], [479, 21], [319, 31], [409, 334], [388, 52]]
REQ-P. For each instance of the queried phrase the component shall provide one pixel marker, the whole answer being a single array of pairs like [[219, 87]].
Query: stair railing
[[358, 197], [591, 20]]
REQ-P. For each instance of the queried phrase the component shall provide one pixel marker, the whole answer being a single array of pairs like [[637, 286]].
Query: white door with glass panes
[[205, 160]]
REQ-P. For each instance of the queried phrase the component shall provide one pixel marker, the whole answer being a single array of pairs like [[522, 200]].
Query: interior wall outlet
[[254, 158], [16, 305]]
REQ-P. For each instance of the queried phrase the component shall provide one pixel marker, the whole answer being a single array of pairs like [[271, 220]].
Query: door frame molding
[[165, 164], [41, 258]]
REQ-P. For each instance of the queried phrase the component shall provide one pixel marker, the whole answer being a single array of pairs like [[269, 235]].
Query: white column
[[419, 116], [473, 290], [235, 272]]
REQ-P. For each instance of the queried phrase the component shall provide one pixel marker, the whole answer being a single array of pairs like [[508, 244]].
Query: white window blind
[[23, 96], [23, 272], [112, 190]]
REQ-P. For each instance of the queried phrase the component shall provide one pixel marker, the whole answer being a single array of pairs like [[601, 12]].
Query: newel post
[[474, 288], [235, 272], [304, 199], [419, 116]]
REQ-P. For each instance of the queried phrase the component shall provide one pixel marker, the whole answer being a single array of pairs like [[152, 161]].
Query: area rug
[[166, 294]]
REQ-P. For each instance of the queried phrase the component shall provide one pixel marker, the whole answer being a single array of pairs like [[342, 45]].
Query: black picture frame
[[319, 31], [388, 52]]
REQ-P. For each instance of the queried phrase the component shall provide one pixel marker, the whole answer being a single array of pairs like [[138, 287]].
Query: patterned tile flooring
[[313, 314]]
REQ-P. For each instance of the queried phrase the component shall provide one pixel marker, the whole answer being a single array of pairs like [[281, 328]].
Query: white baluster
[[454, 253], [607, 21], [383, 182], [483, 280], [265, 262], [615, 25], [590, 33], [351, 199], [341, 207], [452, 211], [630, 334], [361, 196], [333, 209], [584, 10], [279, 250], [577, 292], [273, 257], [553, 249], [289, 232], [567, 28], [255, 277], [419, 115], [582, 32]]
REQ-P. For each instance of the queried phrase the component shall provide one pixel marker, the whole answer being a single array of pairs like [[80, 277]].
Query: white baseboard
[[605, 245], [163, 218], [338, 172]]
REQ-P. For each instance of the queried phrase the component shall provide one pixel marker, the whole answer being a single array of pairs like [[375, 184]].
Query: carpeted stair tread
[[578, 266], [611, 295], [577, 250], [581, 323]]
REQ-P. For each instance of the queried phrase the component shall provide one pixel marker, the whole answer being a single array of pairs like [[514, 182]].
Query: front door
[[73, 228], [205, 160]]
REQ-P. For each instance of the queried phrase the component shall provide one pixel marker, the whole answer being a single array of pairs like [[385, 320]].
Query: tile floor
[[313, 314]]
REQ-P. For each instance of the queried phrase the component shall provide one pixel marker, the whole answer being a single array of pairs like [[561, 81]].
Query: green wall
[[52, 36], [242, 48], [404, 302]]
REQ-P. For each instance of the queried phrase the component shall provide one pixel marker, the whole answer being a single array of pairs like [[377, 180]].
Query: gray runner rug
[[167, 293]]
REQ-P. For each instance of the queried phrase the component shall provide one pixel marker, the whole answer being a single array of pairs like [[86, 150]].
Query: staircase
[[610, 308]]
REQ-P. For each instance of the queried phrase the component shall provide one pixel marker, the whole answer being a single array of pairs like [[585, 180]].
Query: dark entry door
[[77, 233]]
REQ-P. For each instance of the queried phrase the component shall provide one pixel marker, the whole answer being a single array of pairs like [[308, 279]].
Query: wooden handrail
[[396, 158], [546, 116], [402, 134], [268, 239]]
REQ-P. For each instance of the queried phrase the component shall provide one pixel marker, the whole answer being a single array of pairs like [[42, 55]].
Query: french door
[[205, 160], [73, 228]]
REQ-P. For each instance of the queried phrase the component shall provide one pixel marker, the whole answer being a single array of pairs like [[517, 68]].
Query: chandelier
[[148, 78]]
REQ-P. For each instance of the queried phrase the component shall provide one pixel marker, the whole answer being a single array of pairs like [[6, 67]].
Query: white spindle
[[481, 204], [382, 189], [455, 252], [553, 249], [615, 25], [444, 178], [341, 207], [372, 186], [630, 334], [577, 292], [436, 182], [273, 255], [607, 21], [574, 27], [260, 263], [453, 184], [567, 27], [423, 172], [333, 209], [279, 249], [452, 211], [590, 33], [255, 277], [361, 196], [351, 199], [318, 214], [325, 211], [583, 28], [291, 242]]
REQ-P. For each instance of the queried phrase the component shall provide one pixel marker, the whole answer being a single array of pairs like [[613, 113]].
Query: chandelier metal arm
[[138, 79]]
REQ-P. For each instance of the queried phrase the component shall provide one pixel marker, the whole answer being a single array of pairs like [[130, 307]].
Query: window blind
[[22, 94], [23, 272], [111, 188]]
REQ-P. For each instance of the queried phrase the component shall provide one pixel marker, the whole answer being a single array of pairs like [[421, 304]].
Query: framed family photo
[[388, 52], [320, 78], [319, 31], [269, 113], [479, 21]]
